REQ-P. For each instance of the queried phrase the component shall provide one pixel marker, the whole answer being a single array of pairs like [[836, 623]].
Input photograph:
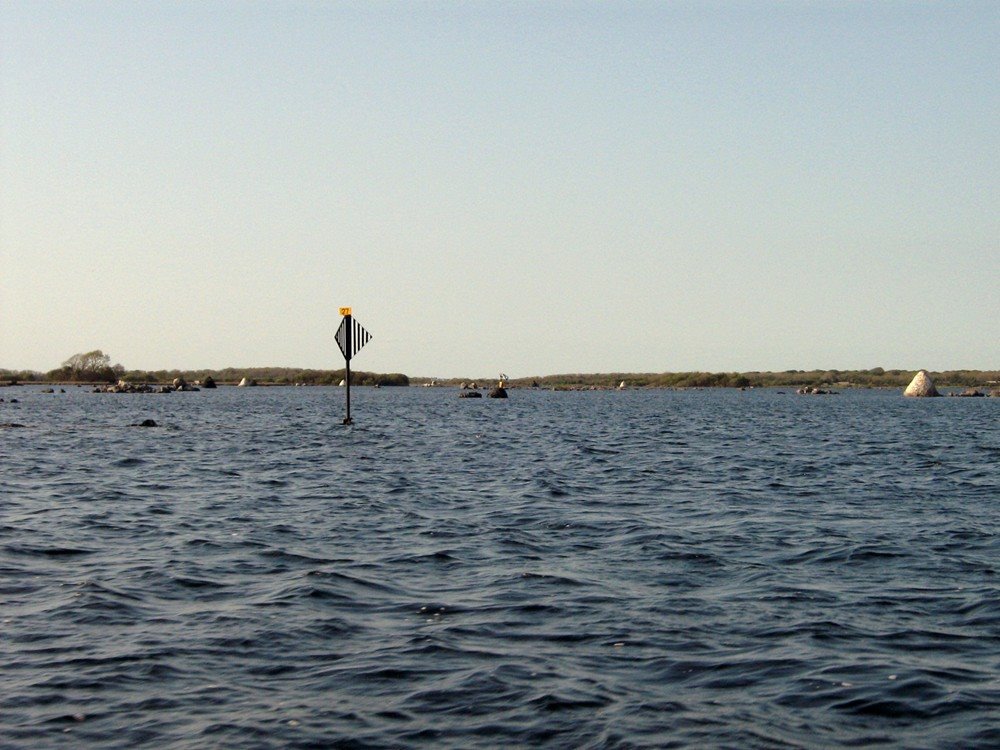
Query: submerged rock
[[145, 423], [921, 386], [498, 392], [470, 394]]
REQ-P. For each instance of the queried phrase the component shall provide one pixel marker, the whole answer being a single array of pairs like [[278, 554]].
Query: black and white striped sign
[[351, 336]]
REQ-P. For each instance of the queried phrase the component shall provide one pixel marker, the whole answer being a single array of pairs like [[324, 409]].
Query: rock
[[971, 393], [498, 392], [921, 386], [245, 383], [470, 394], [180, 384], [208, 382], [123, 386], [5, 425], [145, 423]]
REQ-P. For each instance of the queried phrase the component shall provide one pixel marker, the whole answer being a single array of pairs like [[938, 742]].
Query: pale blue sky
[[535, 188]]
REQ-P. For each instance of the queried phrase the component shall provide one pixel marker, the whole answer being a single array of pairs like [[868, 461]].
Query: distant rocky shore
[[805, 382], [178, 384]]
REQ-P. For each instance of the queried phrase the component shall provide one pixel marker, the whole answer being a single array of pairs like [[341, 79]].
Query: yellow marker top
[[345, 311]]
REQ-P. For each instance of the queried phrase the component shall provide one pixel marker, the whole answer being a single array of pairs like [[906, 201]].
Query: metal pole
[[347, 419], [347, 360]]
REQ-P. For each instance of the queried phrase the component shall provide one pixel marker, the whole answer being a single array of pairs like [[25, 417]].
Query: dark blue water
[[606, 570]]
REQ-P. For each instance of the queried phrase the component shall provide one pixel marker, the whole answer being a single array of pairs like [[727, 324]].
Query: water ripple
[[604, 570]]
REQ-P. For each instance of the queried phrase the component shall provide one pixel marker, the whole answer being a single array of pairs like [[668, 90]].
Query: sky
[[523, 187]]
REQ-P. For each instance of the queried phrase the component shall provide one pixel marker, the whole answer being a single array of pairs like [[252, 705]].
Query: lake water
[[562, 569]]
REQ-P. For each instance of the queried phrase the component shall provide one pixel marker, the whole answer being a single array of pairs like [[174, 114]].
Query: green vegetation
[[91, 367], [874, 378], [269, 376], [96, 367]]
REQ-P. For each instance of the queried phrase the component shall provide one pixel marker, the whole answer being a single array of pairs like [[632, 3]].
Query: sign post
[[351, 336]]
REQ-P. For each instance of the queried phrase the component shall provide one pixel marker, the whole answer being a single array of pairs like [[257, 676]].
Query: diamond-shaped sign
[[351, 336]]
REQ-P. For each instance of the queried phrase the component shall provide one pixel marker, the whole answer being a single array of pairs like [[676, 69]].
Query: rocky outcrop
[[921, 386], [248, 382], [123, 386], [208, 382], [498, 392], [470, 394], [970, 393], [812, 391]]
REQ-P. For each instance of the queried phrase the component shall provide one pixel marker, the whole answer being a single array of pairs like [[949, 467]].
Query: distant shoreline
[[281, 376]]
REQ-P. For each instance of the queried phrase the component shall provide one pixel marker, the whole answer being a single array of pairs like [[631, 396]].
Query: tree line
[[96, 367], [873, 378]]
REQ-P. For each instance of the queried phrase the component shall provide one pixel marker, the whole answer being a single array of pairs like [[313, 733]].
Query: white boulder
[[921, 385]]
